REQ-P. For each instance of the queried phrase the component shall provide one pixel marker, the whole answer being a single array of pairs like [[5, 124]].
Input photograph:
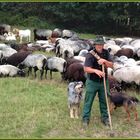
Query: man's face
[[99, 48]]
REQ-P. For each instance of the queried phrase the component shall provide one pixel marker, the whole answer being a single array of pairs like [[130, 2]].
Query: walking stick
[[105, 89]]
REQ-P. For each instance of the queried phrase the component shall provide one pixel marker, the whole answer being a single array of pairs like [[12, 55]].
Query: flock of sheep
[[69, 54]]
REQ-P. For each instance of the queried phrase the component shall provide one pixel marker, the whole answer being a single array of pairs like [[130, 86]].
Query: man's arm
[[96, 71], [105, 62]]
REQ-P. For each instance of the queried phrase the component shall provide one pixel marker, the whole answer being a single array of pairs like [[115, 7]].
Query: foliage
[[93, 17]]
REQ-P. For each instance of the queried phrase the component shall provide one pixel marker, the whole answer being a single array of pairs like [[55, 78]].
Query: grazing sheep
[[10, 36], [2, 38], [56, 33], [8, 52], [112, 48], [109, 71], [125, 52], [83, 53], [4, 28], [3, 46], [75, 72], [130, 74], [138, 53], [64, 49], [81, 58], [35, 61], [75, 90], [17, 58], [9, 70], [68, 34], [72, 47], [23, 34], [42, 34], [72, 60], [55, 64]]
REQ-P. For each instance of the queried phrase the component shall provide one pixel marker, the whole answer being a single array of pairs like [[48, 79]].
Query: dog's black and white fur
[[75, 90]]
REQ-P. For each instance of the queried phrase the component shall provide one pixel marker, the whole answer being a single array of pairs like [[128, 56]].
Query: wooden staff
[[110, 122]]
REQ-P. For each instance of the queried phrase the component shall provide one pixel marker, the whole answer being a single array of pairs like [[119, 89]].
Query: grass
[[31, 108]]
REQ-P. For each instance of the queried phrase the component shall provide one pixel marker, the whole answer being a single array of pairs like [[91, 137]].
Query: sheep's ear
[[109, 49]]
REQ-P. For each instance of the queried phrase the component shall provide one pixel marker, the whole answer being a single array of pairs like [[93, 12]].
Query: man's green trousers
[[92, 88]]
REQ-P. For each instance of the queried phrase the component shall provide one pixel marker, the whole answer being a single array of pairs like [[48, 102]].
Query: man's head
[[99, 43]]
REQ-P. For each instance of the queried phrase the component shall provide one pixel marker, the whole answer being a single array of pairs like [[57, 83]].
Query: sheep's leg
[[50, 74], [29, 38], [35, 71], [46, 74], [20, 39], [41, 74], [29, 71]]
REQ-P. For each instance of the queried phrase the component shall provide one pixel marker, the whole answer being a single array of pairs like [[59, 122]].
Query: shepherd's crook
[[103, 69]]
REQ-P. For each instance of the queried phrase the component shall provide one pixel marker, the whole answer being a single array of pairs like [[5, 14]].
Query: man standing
[[94, 82]]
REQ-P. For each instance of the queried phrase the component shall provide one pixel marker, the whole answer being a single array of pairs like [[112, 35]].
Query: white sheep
[[35, 61], [23, 34], [69, 34], [55, 64], [112, 48], [73, 47], [3, 46], [64, 49], [8, 52], [83, 53], [10, 36], [81, 58], [9, 70], [127, 74]]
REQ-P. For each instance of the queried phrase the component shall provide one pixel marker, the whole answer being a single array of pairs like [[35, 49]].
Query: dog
[[122, 99], [75, 91]]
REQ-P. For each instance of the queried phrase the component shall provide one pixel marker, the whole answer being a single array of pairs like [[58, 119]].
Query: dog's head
[[117, 87], [134, 99], [75, 90], [78, 87]]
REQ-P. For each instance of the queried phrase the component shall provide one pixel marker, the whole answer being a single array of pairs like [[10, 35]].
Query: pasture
[[33, 108]]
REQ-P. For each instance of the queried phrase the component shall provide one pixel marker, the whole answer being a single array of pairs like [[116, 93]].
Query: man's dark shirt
[[91, 61]]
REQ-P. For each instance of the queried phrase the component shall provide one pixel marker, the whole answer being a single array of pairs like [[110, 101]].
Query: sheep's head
[[117, 65], [16, 32], [21, 73], [21, 66]]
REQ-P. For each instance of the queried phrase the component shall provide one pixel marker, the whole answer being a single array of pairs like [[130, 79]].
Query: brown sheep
[[126, 52], [17, 58], [75, 72]]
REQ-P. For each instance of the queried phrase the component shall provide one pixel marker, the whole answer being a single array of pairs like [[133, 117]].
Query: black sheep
[[17, 58], [75, 72], [126, 52]]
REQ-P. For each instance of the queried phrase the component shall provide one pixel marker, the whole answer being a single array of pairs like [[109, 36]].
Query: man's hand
[[101, 61], [99, 73]]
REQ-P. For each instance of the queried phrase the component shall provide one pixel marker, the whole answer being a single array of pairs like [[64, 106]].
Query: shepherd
[[95, 81]]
